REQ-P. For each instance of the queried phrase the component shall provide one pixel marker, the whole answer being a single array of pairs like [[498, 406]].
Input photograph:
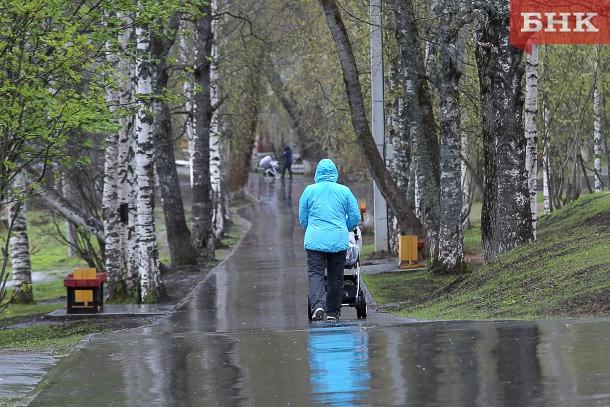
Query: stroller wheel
[[361, 305]]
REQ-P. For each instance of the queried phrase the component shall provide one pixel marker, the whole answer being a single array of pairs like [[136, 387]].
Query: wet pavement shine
[[244, 339]]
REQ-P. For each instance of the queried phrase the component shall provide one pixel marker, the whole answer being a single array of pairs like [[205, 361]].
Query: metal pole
[[378, 120]]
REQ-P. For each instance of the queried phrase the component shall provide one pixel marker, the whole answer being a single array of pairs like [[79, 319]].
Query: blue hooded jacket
[[327, 211]]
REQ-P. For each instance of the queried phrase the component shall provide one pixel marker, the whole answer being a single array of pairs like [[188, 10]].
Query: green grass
[[43, 291], [403, 286], [562, 274], [56, 339]]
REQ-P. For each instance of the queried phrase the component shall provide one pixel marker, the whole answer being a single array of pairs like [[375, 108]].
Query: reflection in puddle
[[338, 360]]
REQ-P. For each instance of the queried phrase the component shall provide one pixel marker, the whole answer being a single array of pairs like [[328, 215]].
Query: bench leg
[[70, 300]]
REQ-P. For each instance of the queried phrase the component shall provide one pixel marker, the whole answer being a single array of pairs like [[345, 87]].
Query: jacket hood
[[326, 171]]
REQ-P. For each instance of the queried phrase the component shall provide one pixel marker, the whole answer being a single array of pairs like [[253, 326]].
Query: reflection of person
[[287, 161], [338, 361], [327, 211]]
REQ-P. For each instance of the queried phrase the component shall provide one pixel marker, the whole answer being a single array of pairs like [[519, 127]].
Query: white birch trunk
[[150, 276], [184, 55], [466, 176], [202, 229], [216, 176], [19, 245], [531, 131], [546, 164], [117, 199], [597, 134]]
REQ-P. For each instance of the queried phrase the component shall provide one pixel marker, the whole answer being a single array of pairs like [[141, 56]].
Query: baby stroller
[[271, 171], [269, 167], [353, 295]]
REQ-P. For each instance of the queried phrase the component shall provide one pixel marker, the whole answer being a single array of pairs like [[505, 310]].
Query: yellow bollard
[[407, 252]]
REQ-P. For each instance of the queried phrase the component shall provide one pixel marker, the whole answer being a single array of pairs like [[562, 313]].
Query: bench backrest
[[85, 274]]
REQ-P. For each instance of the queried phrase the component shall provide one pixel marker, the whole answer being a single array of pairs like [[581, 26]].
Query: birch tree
[[506, 214], [220, 216], [531, 131], [41, 95], [118, 198], [202, 205], [422, 125], [597, 136], [451, 247], [150, 276], [19, 245]]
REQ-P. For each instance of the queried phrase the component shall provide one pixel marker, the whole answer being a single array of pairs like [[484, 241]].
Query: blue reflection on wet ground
[[338, 360]]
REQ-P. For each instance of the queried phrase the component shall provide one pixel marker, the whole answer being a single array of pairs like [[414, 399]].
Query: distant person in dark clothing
[[287, 161]]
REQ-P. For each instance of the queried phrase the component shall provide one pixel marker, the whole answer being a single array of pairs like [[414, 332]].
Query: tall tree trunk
[[117, 208], [19, 246], [531, 132], [506, 215], [151, 287], [398, 136], [203, 207], [181, 249], [597, 134], [451, 238], [546, 163], [408, 222], [217, 169], [422, 125], [186, 59]]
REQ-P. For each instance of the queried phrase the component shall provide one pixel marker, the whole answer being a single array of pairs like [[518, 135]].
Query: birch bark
[[597, 134], [397, 131], [531, 132], [150, 276], [202, 207], [451, 238], [217, 173], [422, 125], [118, 178], [19, 246]]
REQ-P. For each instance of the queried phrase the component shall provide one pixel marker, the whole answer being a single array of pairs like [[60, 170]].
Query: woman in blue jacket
[[327, 211]]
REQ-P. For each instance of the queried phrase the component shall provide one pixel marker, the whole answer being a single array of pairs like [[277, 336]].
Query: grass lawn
[[563, 274]]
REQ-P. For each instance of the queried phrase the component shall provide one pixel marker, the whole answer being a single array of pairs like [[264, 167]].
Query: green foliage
[[55, 68]]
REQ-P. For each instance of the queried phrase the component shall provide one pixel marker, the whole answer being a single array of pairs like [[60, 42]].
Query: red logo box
[[559, 22]]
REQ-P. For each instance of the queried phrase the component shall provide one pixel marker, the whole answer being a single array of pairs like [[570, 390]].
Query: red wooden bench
[[85, 291]]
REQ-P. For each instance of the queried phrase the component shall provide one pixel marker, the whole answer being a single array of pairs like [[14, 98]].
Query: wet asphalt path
[[244, 339]]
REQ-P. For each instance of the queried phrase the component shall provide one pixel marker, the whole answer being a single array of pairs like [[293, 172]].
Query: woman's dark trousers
[[328, 298]]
